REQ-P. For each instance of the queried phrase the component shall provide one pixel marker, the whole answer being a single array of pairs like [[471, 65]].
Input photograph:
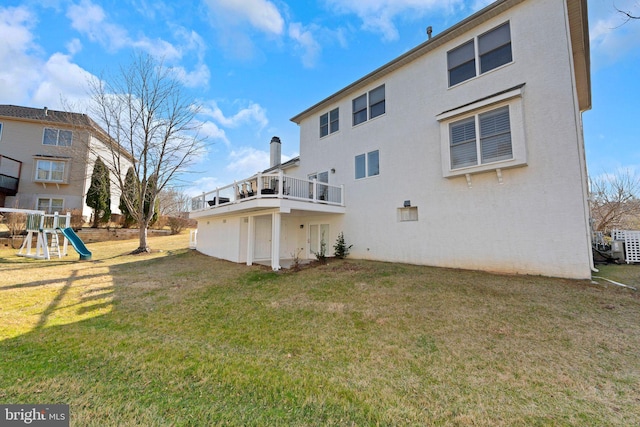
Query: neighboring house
[[47, 157], [466, 152]]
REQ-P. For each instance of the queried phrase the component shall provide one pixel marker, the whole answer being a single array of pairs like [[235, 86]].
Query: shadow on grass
[[185, 339]]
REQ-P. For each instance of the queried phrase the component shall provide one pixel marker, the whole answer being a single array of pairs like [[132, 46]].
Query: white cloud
[[197, 78], [261, 14], [19, 55], [378, 15], [74, 46], [90, 19], [65, 82], [203, 185], [306, 42], [611, 37], [247, 161], [210, 130], [253, 113]]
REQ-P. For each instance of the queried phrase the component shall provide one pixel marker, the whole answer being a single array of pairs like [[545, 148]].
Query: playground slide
[[77, 243]]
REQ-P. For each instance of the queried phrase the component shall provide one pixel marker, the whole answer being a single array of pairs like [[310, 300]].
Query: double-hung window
[[369, 105], [329, 122], [50, 171], [368, 164], [58, 137], [481, 139], [479, 55]]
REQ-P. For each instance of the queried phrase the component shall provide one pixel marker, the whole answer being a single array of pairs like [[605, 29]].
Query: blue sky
[[254, 64]]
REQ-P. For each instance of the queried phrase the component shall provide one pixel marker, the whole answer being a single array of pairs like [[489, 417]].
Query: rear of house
[[465, 152], [47, 157]]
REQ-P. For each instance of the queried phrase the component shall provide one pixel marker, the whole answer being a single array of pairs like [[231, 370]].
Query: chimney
[[275, 148], [429, 31], [46, 111]]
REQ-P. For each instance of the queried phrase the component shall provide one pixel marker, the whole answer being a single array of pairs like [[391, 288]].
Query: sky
[[254, 64]]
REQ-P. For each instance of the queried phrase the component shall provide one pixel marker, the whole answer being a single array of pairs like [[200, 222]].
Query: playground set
[[47, 229]]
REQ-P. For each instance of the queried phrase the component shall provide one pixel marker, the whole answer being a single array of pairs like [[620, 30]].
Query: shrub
[[77, 221], [177, 224], [16, 223], [341, 250], [321, 255]]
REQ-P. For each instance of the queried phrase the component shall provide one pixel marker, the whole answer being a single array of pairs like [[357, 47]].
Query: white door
[[318, 233], [262, 247]]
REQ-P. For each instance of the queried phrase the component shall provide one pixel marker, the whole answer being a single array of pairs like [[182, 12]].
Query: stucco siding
[[532, 222]]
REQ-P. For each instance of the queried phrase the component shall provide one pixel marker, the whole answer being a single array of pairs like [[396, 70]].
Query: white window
[[484, 135], [50, 171], [50, 205], [329, 122], [491, 144], [58, 137], [369, 105], [368, 164], [493, 50]]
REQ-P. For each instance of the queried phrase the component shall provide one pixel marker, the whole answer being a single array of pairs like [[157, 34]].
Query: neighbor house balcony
[[270, 191], [9, 175]]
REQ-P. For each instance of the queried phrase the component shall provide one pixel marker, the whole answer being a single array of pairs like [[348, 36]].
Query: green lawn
[[178, 338]]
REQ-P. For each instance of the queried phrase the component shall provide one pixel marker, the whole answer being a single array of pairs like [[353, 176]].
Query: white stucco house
[[465, 152]]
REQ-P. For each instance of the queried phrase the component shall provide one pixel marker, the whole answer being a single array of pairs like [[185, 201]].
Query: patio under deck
[[274, 194]]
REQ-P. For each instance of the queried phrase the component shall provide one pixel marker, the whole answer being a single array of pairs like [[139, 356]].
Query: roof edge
[[438, 40]]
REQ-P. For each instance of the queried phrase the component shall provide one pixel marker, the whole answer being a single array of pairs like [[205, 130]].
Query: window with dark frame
[[360, 109], [369, 105], [376, 102], [329, 122], [494, 50]]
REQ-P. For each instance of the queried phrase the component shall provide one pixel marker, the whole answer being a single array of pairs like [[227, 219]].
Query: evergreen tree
[[130, 191], [99, 193]]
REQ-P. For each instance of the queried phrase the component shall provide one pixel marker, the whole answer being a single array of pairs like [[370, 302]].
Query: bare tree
[[628, 15], [614, 200], [145, 112], [173, 202]]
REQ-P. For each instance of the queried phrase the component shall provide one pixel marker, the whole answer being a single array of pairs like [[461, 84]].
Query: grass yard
[[177, 338]]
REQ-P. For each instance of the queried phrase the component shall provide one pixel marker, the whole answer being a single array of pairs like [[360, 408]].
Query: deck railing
[[273, 185]]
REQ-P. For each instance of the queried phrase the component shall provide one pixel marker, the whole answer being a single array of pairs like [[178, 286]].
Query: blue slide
[[78, 244]]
